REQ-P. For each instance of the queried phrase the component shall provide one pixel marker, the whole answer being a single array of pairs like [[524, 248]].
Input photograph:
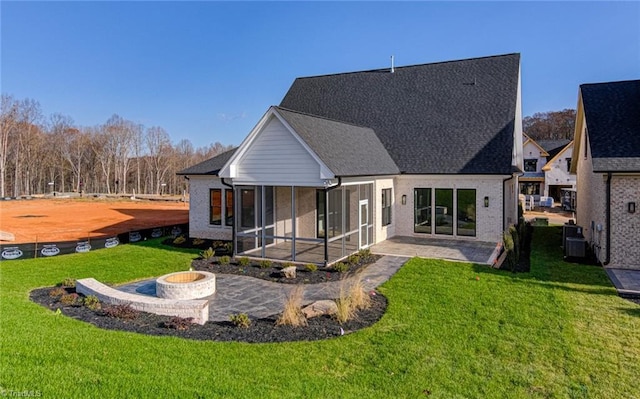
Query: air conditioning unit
[[575, 247]]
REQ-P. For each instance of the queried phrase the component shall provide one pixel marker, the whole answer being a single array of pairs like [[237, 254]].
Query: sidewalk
[[260, 298]]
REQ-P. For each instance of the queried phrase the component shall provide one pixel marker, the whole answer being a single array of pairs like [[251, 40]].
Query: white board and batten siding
[[276, 157]]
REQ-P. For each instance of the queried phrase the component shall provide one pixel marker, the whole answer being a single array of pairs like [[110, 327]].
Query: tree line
[[44, 154], [552, 125]]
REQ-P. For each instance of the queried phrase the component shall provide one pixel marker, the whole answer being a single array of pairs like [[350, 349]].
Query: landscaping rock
[[320, 308], [289, 272]]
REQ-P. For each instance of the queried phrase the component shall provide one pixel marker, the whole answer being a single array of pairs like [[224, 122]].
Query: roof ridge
[[387, 70], [611, 82], [321, 117]]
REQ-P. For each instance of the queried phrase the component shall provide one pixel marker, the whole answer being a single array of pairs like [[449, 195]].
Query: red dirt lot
[[53, 220]]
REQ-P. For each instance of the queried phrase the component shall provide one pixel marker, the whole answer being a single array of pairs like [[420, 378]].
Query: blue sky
[[207, 71]]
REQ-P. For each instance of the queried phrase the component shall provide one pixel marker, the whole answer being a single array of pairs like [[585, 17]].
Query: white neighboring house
[[546, 169], [559, 181], [351, 159]]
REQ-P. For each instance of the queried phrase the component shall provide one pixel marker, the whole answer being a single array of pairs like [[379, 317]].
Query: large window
[[215, 203], [422, 210], [228, 207], [248, 207], [466, 203], [386, 206], [530, 165], [530, 188], [444, 211]]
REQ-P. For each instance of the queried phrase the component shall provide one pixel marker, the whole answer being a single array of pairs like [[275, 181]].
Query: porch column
[[293, 223], [326, 230]]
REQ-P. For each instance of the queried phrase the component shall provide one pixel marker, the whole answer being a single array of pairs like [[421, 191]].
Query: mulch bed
[[274, 272], [260, 330]]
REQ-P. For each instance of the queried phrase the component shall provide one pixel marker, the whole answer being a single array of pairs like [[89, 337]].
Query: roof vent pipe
[[392, 68]]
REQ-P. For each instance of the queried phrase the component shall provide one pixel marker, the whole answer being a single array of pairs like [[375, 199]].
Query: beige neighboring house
[[607, 164], [351, 159]]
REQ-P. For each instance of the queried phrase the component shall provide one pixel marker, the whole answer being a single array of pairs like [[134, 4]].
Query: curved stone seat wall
[[198, 309]]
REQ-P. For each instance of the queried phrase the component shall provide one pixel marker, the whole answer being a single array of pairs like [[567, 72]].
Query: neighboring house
[[351, 159], [559, 181], [607, 164], [546, 170]]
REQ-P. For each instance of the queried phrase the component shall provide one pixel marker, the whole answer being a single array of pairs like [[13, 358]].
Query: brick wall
[[625, 226], [199, 226], [488, 220]]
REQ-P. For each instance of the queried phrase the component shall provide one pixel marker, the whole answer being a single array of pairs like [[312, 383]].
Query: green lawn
[[559, 331]]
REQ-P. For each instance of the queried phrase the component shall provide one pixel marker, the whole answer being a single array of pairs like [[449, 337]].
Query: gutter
[[326, 219], [608, 216], [233, 225]]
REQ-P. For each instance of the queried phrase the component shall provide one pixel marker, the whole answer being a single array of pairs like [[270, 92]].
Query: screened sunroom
[[303, 224]]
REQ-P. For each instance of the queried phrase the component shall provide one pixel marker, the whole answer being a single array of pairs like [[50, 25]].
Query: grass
[[559, 331]]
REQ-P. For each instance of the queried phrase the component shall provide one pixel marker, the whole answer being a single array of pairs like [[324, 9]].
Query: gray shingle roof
[[209, 167], [612, 112], [553, 145], [443, 118], [348, 150]]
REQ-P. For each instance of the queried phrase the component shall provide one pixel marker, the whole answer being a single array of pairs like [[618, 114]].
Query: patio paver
[[260, 298], [626, 281], [438, 248]]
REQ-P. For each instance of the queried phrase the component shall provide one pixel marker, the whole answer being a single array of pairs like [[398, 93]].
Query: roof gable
[[612, 114], [443, 118], [558, 155], [346, 149]]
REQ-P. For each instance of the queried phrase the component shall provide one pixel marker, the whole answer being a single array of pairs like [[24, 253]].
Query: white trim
[[230, 169]]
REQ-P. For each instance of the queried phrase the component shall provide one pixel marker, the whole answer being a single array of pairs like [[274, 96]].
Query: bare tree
[[8, 125], [550, 125], [160, 154]]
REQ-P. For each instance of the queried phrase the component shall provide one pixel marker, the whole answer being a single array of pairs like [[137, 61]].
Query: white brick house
[[349, 160], [607, 164]]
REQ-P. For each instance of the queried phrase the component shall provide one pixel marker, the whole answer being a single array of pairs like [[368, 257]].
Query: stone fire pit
[[186, 285]]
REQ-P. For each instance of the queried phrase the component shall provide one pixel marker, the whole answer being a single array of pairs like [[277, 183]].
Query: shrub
[[197, 241], [207, 253], [57, 292], [353, 259], [365, 255], [311, 267], [224, 260], [124, 312], [179, 240], [341, 267], [287, 264], [507, 240], [265, 264], [516, 242], [178, 323], [92, 302], [292, 314], [68, 283], [244, 261], [68, 299], [228, 247], [240, 320]]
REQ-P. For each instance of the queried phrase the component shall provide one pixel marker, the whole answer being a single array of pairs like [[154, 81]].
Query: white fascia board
[[325, 172]]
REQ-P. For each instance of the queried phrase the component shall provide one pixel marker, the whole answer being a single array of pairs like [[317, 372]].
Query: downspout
[[233, 225], [608, 216], [326, 219]]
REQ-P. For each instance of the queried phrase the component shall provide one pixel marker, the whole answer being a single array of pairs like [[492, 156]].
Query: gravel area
[[260, 330]]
